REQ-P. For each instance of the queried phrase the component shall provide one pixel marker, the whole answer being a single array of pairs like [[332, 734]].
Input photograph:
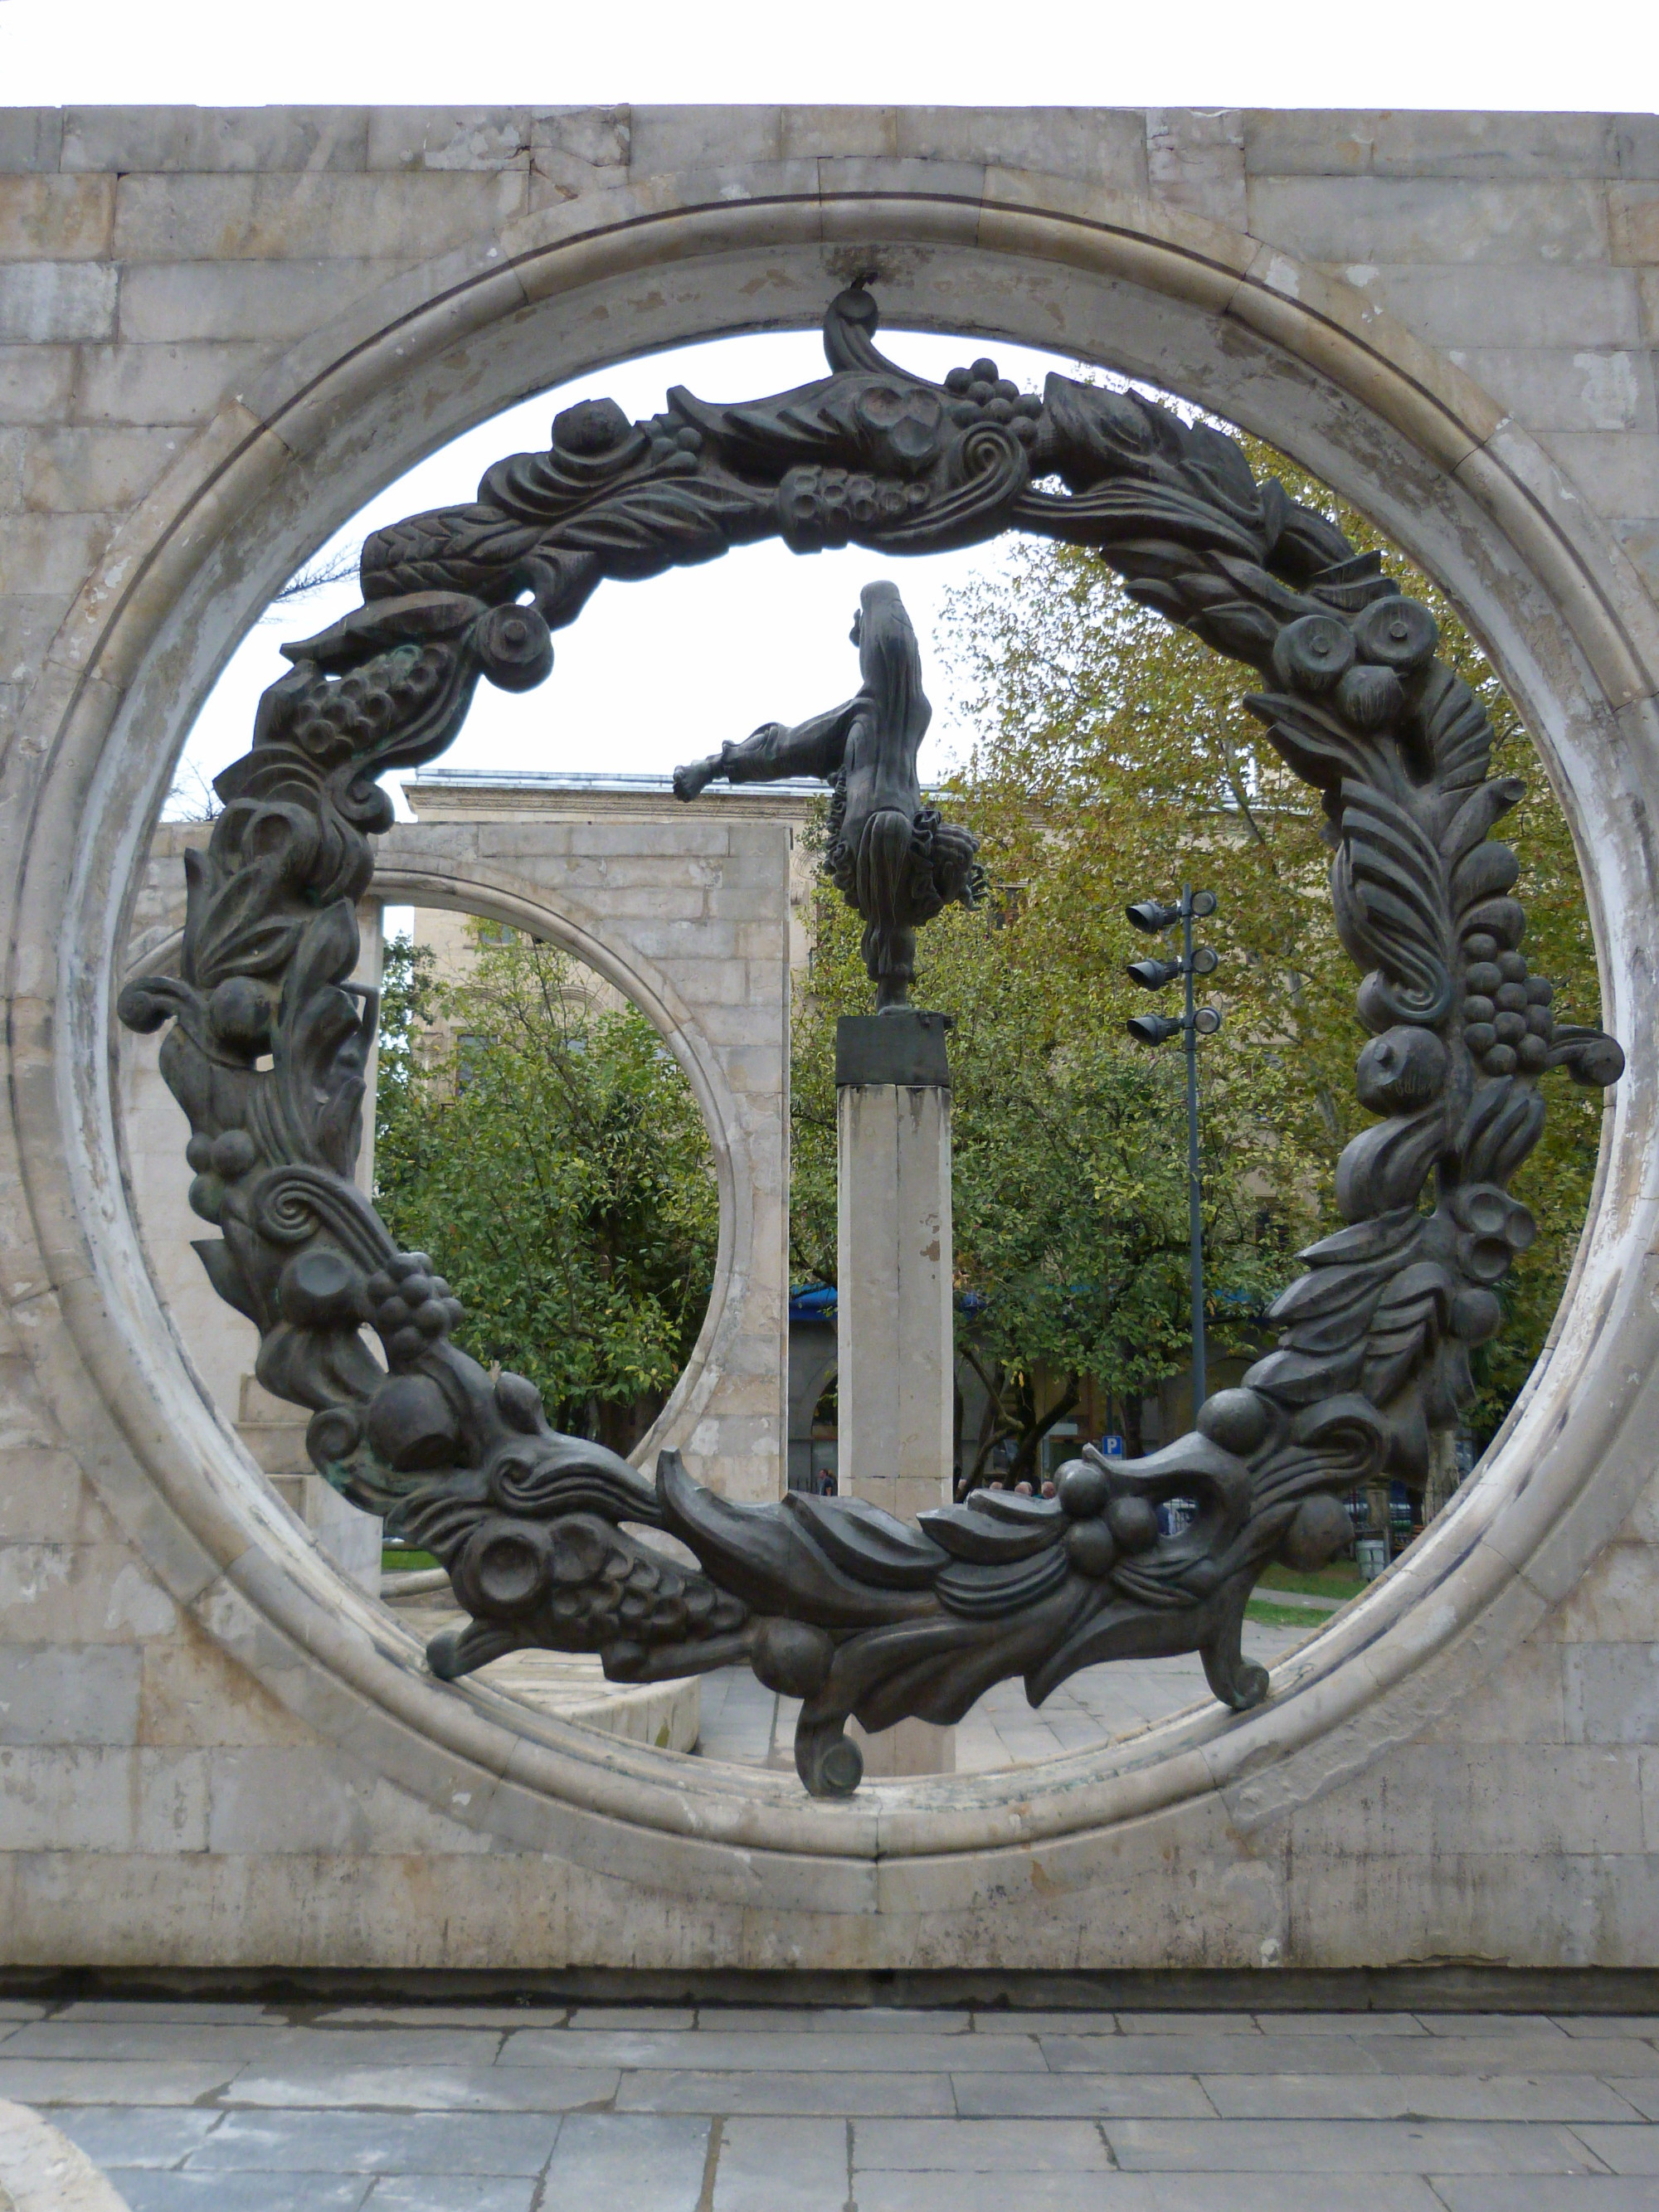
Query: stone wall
[[219, 333]]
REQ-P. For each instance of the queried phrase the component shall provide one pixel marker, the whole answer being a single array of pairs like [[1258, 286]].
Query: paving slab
[[377, 2046], [811, 2109], [1340, 2023], [153, 2040], [127, 2134], [126, 2011], [377, 2142], [810, 2096], [542, 2089], [781, 2165], [979, 2146], [475, 2016], [904, 2191], [449, 2192], [1207, 2054], [1081, 2096], [869, 2019], [834, 2051], [111, 2081], [1530, 2054], [655, 2164], [1623, 2150], [1325, 2147], [146, 2190], [1401, 2096], [1642, 2094], [1560, 2193]]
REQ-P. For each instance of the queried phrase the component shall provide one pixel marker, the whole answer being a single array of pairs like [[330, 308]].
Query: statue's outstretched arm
[[774, 752]]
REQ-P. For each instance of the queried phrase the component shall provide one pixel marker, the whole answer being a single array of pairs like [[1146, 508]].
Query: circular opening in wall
[[1058, 760]]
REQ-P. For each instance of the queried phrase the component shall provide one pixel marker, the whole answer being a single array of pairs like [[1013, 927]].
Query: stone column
[[893, 1308]]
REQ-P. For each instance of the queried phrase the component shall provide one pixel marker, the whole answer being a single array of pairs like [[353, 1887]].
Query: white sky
[[1295, 53]]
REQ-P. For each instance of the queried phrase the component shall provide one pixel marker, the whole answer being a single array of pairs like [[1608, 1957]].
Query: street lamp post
[[1152, 917]]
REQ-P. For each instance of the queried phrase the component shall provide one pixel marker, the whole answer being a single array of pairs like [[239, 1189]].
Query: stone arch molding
[[734, 1104], [1281, 349], [740, 1089]]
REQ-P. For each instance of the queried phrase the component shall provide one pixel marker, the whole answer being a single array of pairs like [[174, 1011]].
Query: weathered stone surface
[[69, 1694], [1413, 143], [1633, 212], [94, 472], [1196, 159], [1617, 469], [163, 301], [55, 218], [170, 139], [1426, 219], [45, 302], [30, 139], [449, 138], [1496, 1796], [1561, 307], [267, 217], [35, 383], [1105, 146], [1589, 389], [145, 383]]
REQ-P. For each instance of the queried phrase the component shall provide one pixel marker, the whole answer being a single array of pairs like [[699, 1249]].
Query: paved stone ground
[[748, 1725], [244, 2108]]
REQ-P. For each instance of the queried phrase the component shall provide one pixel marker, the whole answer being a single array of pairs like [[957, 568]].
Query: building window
[[470, 1051]]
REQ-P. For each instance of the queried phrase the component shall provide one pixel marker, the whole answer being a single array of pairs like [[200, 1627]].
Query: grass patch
[[395, 1560], [1337, 1582], [1284, 1616]]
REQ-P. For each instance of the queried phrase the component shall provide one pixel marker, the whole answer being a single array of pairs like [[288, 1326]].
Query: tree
[[1070, 1198], [553, 1161], [1114, 756]]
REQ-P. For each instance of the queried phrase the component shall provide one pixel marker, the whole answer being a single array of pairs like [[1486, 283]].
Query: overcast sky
[[1294, 53]]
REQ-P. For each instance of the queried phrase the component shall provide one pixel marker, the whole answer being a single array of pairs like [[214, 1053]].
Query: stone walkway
[[207, 2107], [748, 1725]]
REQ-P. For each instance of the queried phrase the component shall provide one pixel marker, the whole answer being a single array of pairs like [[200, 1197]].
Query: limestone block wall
[[689, 916], [220, 331], [692, 919]]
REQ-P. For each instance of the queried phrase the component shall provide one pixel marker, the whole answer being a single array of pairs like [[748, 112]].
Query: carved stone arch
[[740, 1104], [1332, 382], [744, 1324]]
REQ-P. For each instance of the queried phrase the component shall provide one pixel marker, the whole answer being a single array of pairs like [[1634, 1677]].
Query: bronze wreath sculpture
[[832, 1601]]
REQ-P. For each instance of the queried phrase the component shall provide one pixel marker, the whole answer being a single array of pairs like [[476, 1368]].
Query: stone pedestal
[[893, 1310]]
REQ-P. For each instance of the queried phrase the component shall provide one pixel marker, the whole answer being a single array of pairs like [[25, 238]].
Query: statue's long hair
[[890, 662]]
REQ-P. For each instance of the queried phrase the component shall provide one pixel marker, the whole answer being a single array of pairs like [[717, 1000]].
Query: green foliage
[[1070, 1169], [1115, 759], [551, 1158]]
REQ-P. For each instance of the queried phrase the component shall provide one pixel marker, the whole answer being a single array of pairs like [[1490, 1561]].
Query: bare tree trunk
[[1024, 1468]]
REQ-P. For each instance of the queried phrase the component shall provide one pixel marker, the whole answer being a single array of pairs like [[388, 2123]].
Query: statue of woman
[[891, 857]]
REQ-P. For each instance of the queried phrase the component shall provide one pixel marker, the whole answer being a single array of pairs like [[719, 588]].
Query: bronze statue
[[832, 1601], [890, 857]]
